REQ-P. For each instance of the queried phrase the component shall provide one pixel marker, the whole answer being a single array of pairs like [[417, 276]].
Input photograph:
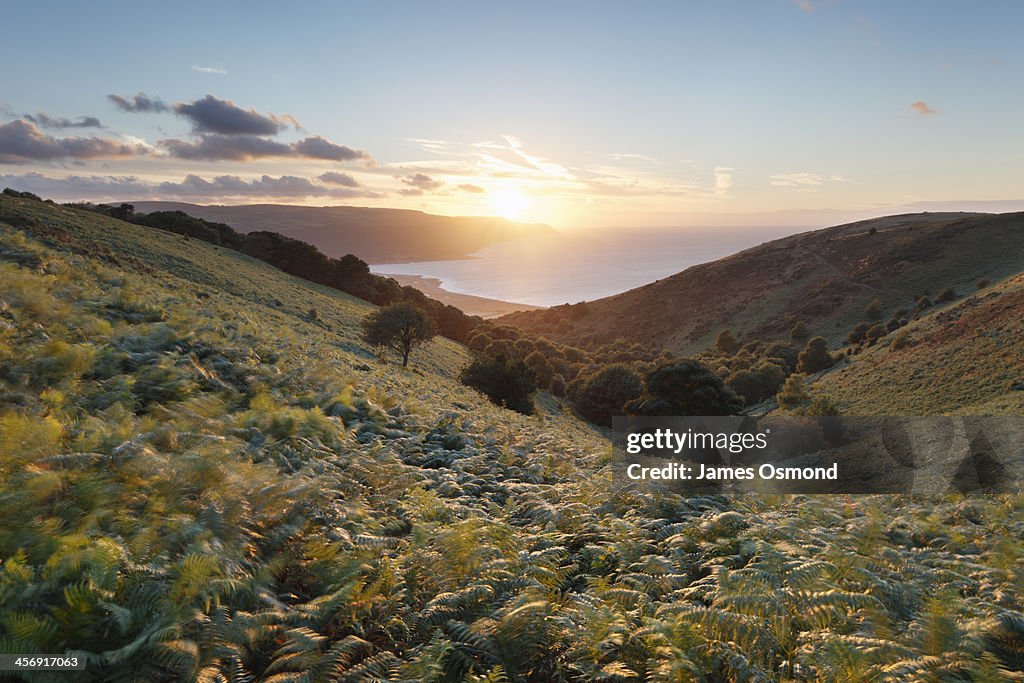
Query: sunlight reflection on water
[[570, 268]]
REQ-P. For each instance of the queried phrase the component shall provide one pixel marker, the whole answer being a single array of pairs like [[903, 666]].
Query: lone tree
[[399, 327]]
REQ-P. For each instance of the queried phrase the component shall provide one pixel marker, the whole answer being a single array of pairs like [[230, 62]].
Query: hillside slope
[[199, 481], [374, 235], [966, 358], [824, 278]]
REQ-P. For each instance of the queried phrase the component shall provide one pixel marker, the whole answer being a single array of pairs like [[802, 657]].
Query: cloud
[[22, 142], [723, 180], [806, 182], [224, 117], [247, 147], [411, 193], [473, 189], [226, 148], [318, 148], [921, 107], [120, 188], [44, 120], [139, 104], [805, 5], [335, 178], [421, 182], [209, 70]]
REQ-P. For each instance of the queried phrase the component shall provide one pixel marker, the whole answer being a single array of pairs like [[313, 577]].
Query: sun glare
[[510, 203]]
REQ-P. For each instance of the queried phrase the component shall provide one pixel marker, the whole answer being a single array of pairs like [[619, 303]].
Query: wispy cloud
[[44, 120], [210, 70], [805, 5], [923, 108], [140, 103], [723, 180], [336, 178], [803, 181]]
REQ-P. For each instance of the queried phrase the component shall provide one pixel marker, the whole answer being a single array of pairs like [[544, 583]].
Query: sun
[[510, 203]]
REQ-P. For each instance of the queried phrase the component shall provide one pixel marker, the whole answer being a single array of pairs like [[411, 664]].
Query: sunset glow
[[511, 203]]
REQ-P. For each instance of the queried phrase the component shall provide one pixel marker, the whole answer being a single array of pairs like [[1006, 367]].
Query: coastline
[[468, 303]]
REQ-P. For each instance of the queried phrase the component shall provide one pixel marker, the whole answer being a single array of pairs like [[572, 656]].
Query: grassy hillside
[[825, 278], [198, 481], [375, 235], [965, 358]]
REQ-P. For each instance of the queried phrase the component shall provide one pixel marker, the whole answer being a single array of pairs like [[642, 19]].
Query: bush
[[901, 341], [946, 295], [685, 388], [982, 283], [815, 357], [506, 382], [822, 406], [873, 311], [793, 394], [857, 334], [875, 332], [543, 371], [757, 384], [726, 342], [605, 392], [799, 334], [558, 387]]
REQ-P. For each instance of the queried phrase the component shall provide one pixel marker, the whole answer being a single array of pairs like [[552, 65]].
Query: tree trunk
[[405, 356]]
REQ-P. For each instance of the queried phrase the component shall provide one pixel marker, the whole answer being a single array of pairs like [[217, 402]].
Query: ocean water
[[568, 268]]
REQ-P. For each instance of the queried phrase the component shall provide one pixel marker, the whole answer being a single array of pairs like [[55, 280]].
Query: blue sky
[[573, 113]]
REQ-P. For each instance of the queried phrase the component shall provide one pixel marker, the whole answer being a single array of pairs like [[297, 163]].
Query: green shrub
[[726, 342], [900, 341], [799, 333], [685, 387], [873, 311], [875, 332], [506, 382], [794, 393], [543, 371], [604, 393], [857, 334], [815, 357]]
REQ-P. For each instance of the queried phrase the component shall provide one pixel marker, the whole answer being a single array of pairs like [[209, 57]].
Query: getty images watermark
[[799, 454]]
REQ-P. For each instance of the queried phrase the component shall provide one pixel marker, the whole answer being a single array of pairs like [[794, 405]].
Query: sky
[[576, 113]]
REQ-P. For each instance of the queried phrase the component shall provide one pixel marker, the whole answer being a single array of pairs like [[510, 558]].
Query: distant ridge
[[375, 235]]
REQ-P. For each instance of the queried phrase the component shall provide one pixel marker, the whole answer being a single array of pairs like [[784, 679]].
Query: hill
[[965, 358], [825, 278], [375, 235], [201, 481]]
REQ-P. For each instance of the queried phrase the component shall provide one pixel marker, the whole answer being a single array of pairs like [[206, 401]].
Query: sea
[[569, 267]]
